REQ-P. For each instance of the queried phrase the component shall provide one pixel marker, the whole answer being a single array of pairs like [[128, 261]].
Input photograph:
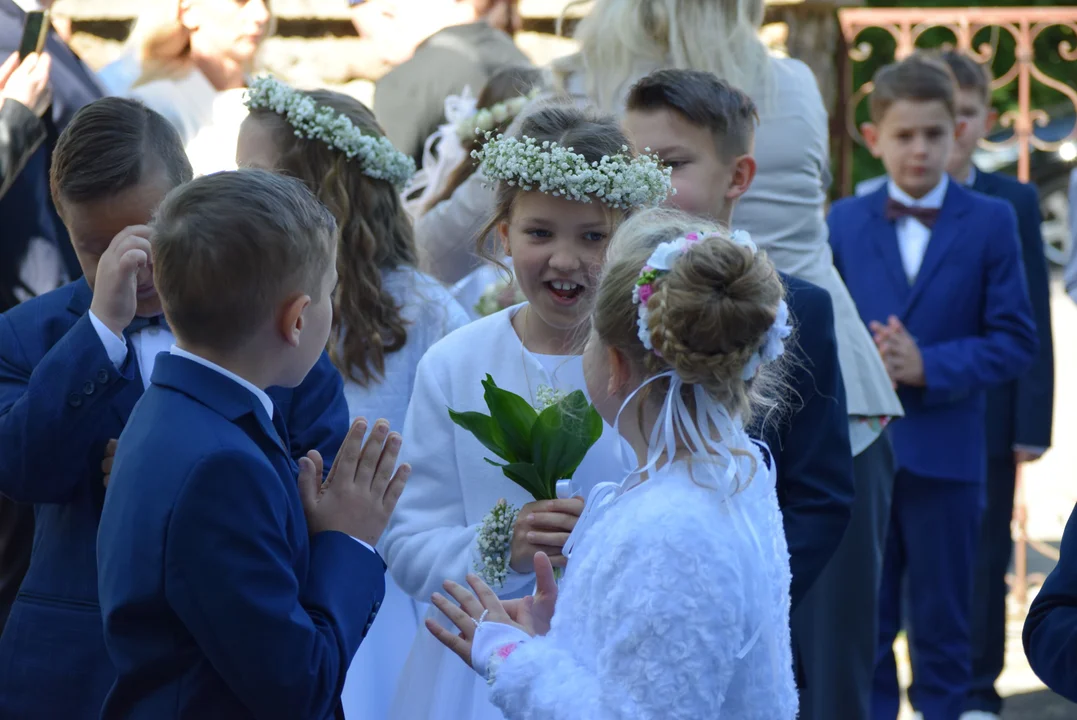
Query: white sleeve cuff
[[366, 545], [494, 641], [115, 345]]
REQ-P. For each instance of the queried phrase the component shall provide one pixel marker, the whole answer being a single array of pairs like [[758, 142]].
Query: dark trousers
[[16, 542], [931, 546], [989, 587], [835, 627]]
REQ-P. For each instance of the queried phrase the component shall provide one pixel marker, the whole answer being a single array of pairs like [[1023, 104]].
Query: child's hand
[[115, 287], [106, 464], [900, 353], [362, 489], [543, 526], [535, 612]]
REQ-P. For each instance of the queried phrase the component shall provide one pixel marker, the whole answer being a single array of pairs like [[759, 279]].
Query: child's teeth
[[559, 285]]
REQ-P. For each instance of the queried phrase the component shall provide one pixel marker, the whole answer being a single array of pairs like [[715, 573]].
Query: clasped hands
[[899, 352]]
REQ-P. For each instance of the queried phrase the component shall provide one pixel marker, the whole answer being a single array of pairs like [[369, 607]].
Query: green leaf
[[513, 417], [561, 437], [526, 476], [485, 430]]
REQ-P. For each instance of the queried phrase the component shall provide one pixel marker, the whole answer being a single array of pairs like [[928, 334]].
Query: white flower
[[495, 544], [643, 323], [744, 239], [547, 397], [484, 120], [377, 156], [666, 254]]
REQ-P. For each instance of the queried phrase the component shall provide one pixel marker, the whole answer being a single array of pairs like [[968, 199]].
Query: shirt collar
[[933, 199], [972, 176], [258, 392]]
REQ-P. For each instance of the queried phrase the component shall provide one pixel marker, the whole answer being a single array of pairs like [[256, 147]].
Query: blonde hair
[[708, 315], [161, 43], [715, 36], [375, 235]]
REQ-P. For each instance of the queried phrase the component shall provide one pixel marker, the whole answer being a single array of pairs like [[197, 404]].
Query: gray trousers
[[836, 626]]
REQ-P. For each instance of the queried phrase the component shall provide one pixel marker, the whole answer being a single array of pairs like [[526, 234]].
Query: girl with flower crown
[[675, 605], [386, 313], [564, 180]]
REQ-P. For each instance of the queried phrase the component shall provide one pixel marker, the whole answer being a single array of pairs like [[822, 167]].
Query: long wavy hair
[[716, 36], [375, 235], [505, 84]]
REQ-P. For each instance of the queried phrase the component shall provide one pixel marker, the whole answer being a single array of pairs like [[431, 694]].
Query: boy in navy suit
[[216, 602], [1019, 413], [73, 363], [705, 130], [936, 273]]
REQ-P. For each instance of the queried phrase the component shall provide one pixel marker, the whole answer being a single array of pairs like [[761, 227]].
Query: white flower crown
[[484, 120], [620, 181], [661, 262], [377, 156]]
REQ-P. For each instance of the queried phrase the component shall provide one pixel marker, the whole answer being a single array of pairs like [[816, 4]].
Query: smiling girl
[[565, 180]]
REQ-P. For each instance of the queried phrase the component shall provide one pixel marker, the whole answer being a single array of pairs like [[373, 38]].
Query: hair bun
[[710, 313]]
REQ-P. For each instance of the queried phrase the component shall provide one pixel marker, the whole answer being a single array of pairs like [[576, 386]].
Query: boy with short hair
[[215, 602], [704, 129], [1019, 412], [936, 273], [73, 364]]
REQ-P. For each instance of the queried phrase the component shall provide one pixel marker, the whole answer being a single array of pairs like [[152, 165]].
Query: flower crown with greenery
[[484, 120], [620, 181], [377, 156]]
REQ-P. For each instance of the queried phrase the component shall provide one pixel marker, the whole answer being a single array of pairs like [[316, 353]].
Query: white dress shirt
[[913, 235], [146, 344]]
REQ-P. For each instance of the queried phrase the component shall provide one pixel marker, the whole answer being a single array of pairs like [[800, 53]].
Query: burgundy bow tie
[[896, 210]]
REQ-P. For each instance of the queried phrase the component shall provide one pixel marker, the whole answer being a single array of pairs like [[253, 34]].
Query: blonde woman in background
[[189, 60], [785, 213]]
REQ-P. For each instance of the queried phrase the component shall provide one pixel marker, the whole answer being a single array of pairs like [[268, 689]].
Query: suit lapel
[[947, 231], [883, 236]]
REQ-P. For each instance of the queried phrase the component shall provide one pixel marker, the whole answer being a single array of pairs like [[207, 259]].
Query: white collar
[[258, 392], [971, 180], [30, 5], [933, 199]]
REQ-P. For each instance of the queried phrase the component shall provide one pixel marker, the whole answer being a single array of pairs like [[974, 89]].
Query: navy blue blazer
[[968, 311], [1021, 412], [61, 400], [811, 442], [216, 602], [1050, 633]]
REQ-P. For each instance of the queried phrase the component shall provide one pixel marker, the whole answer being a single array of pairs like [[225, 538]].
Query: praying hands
[[899, 351]]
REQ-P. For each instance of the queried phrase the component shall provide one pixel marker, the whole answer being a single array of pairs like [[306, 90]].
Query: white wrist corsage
[[495, 544]]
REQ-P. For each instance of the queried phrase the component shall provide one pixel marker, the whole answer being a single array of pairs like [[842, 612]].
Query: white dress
[[432, 535], [432, 313], [675, 606]]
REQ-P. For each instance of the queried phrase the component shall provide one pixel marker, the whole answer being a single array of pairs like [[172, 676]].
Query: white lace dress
[[432, 314], [664, 593]]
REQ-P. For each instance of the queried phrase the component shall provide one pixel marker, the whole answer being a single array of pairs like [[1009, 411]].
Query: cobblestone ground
[[1050, 494]]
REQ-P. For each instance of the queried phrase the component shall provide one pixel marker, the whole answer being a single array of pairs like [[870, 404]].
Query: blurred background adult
[[455, 44], [190, 60], [24, 98]]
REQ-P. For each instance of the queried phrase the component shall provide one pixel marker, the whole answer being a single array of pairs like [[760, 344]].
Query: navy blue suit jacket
[[968, 311], [1020, 412], [811, 443], [1050, 633], [216, 602], [61, 400]]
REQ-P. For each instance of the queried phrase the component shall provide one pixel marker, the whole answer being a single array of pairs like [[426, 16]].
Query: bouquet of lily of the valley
[[537, 448]]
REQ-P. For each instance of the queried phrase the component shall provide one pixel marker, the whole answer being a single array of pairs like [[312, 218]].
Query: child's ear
[[959, 129], [992, 118], [870, 131], [744, 168], [290, 325], [620, 371], [503, 236]]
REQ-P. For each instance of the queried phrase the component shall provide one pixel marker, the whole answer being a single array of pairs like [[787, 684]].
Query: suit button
[[377, 606], [74, 400], [102, 376], [88, 388]]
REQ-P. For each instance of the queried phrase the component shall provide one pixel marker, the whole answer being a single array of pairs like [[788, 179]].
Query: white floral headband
[[620, 181], [377, 156], [484, 120], [661, 262]]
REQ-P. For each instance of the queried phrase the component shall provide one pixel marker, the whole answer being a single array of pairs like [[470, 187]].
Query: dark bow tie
[[896, 210], [141, 323]]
